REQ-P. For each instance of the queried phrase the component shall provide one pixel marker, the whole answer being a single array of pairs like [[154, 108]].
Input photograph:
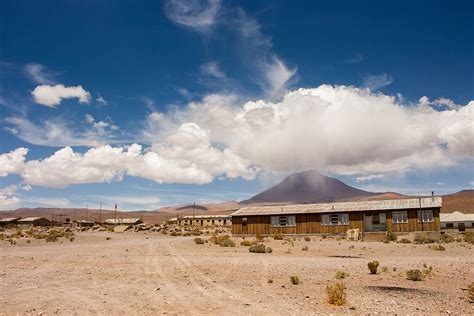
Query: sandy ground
[[138, 273]]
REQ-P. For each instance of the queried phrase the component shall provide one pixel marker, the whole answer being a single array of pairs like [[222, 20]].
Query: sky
[[155, 103]]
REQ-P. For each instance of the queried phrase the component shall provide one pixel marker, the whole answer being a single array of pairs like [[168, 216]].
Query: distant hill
[[308, 187], [462, 201]]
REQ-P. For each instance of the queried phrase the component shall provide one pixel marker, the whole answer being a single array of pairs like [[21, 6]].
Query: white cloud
[[12, 162], [100, 99], [52, 96], [212, 69], [277, 75], [8, 196], [376, 82], [148, 200], [58, 132], [369, 177], [196, 14], [38, 73]]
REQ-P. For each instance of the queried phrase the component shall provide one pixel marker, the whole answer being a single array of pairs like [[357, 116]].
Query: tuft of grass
[[269, 250], [227, 243], [415, 275], [307, 238], [28, 241], [423, 239], [72, 238], [341, 275], [305, 248], [446, 238], [51, 238], [248, 243], [295, 280], [200, 241], [269, 280], [108, 238], [385, 269], [258, 238], [335, 294], [277, 236], [373, 266], [351, 247]]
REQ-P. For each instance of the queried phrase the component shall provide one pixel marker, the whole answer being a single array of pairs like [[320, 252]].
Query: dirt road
[[136, 273]]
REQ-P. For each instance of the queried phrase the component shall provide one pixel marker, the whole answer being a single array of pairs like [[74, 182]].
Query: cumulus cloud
[[8, 196], [199, 15], [52, 96], [369, 177], [38, 73], [376, 82], [12, 162]]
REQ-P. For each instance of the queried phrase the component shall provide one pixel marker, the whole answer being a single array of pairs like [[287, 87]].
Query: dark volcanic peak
[[307, 187]]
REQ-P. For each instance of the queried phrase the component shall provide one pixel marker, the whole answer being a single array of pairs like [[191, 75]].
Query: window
[[449, 225], [335, 219], [425, 216], [399, 217], [283, 221], [244, 221]]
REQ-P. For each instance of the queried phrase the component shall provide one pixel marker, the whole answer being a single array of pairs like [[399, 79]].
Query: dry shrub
[[222, 240], [200, 241], [307, 238], [51, 238], [469, 237], [269, 280], [295, 280], [72, 238], [110, 229], [404, 241], [446, 238], [415, 275], [336, 294], [385, 269], [175, 234], [227, 243], [278, 236], [438, 247], [258, 238], [2, 236], [391, 236], [341, 275], [423, 239], [305, 248], [260, 248], [108, 238], [470, 291], [248, 243], [373, 266]]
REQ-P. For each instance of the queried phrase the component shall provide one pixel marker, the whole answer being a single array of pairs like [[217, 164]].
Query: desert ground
[[151, 273]]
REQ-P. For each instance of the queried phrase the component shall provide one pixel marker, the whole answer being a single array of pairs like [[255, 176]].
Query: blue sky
[[156, 103]]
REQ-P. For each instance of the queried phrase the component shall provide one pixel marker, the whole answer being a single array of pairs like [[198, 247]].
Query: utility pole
[[87, 211], [194, 208], [115, 222]]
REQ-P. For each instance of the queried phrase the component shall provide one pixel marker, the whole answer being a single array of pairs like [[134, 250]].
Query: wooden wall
[[311, 224], [413, 225]]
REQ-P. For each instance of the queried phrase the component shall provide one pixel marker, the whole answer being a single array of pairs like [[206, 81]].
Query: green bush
[[415, 275], [295, 280], [373, 266], [335, 293]]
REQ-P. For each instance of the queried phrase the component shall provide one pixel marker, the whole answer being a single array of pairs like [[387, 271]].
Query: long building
[[202, 220], [402, 215]]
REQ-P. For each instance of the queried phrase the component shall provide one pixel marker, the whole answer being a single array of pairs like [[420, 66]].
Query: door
[[461, 227], [244, 226], [368, 227]]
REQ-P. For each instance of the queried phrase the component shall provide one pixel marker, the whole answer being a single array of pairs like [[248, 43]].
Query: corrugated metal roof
[[30, 219], [9, 219], [399, 204], [122, 221], [199, 217], [456, 217]]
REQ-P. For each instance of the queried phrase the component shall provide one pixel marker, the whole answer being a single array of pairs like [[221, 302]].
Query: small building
[[402, 215], [83, 223], [123, 221], [34, 221], [9, 221], [457, 220], [202, 220]]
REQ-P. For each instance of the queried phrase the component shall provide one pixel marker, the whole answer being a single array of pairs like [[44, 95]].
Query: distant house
[[83, 223], [457, 220], [202, 220], [9, 221], [123, 221], [402, 215], [34, 221]]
